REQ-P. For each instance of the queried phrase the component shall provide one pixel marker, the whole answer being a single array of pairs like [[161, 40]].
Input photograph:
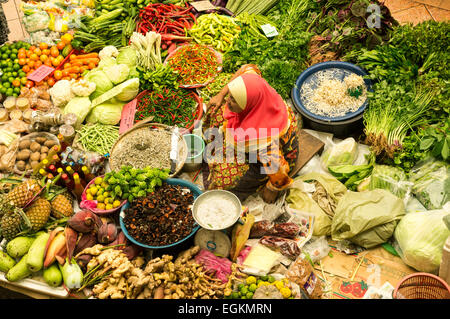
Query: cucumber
[[35, 256], [6, 262], [52, 275], [19, 246], [19, 271]]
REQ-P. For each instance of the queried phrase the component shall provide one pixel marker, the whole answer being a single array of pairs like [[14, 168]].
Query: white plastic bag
[[341, 153]]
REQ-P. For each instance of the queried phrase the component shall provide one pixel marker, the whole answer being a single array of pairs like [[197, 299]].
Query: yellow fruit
[[88, 191], [105, 194], [100, 198], [109, 206], [278, 284], [98, 181], [286, 292], [89, 197], [93, 190], [67, 38], [250, 280], [101, 206], [116, 203], [263, 283]]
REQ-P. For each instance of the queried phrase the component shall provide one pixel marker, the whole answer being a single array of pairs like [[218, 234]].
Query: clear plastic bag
[[268, 228], [317, 248], [431, 183], [392, 179], [37, 21], [341, 153], [287, 247]]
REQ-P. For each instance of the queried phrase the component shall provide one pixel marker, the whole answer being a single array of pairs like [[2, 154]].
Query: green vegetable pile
[[164, 76], [351, 175], [130, 183], [215, 86], [98, 137]]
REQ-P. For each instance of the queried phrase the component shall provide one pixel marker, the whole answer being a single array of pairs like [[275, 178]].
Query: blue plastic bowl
[[171, 181], [307, 76]]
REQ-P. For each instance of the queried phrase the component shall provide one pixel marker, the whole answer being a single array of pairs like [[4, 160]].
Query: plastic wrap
[[268, 228], [302, 273], [392, 179], [341, 153], [431, 183], [317, 248], [287, 247]]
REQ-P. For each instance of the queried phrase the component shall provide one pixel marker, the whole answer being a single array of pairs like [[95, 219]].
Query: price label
[[202, 5], [127, 117], [40, 73], [269, 30]]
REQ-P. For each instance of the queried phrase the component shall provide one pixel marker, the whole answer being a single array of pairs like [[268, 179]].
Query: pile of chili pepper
[[170, 20], [161, 218], [168, 106], [196, 64]]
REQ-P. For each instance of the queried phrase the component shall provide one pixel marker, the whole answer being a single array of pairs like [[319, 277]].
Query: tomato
[[43, 57], [58, 74], [26, 69], [48, 62], [16, 83], [60, 45], [51, 81], [65, 73], [46, 51], [30, 64], [43, 45], [67, 65], [54, 52], [22, 50], [34, 57], [32, 48], [22, 61], [346, 287], [359, 289], [38, 52], [29, 84], [37, 64], [28, 53], [21, 55], [66, 78]]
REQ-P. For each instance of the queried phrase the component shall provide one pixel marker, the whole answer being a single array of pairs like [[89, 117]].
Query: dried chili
[[161, 218]]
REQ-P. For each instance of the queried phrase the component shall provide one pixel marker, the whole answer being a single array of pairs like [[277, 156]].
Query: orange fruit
[[67, 65], [43, 45], [43, 57], [32, 48], [60, 45], [26, 68], [58, 75], [28, 53], [65, 73], [37, 64], [38, 51], [51, 81], [16, 83], [46, 51], [22, 50], [31, 64], [34, 57], [29, 84], [55, 62], [21, 55], [54, 52], [22, 61]]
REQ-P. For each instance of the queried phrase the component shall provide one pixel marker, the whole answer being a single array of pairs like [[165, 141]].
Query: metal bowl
[[171, 181], [211, 196]]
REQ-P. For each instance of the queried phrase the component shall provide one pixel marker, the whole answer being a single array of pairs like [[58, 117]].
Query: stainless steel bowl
[[212, 196]]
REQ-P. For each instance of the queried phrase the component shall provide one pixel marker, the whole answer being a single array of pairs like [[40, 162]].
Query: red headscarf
[[264, 108]]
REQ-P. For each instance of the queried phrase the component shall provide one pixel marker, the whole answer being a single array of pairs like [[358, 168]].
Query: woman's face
[[232, 104]]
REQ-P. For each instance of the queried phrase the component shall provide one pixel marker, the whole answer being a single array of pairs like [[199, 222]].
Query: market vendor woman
[[249, 104]]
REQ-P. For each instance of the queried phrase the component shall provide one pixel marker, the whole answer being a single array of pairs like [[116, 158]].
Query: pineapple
[[24, 192], [38, 213], [13, 222], [62, 206]]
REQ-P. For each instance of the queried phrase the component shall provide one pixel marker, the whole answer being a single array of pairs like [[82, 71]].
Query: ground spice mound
[[161, 218]]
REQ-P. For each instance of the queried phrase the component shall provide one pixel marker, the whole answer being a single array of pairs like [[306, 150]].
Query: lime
[[271, 279], [243, 297], [9, 92], [7, 85], [240, 286], [94, 190], [249, 295], [89, 197], [109, 206], [244, 290], [3, 90], [264, 278], [116, 203], [235, 295], [16, 90], [100, 198], [252, 287]]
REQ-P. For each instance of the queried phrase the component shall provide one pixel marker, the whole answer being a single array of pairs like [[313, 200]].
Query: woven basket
[[145, 124], [422, 286]]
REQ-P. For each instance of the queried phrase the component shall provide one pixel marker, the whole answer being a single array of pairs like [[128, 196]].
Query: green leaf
[[426, 143], [445, 150]]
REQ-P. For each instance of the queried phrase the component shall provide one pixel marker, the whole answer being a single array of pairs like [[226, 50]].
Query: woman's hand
[[216, 101], [268, 195]]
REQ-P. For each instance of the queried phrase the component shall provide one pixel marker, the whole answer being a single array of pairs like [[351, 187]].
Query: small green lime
[[252, 287], [235, 295], [264, 278], [249, 295], [271, 279], [244, 290]]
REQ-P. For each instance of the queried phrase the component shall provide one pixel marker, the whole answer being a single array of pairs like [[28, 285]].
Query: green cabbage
[[106, 62], [79, 106], [102, 82], [127, 55], [106, 113], [130, 89], [420, 237], [117, 73]]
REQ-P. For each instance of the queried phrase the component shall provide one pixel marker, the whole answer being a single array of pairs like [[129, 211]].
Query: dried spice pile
[[161, 218]]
